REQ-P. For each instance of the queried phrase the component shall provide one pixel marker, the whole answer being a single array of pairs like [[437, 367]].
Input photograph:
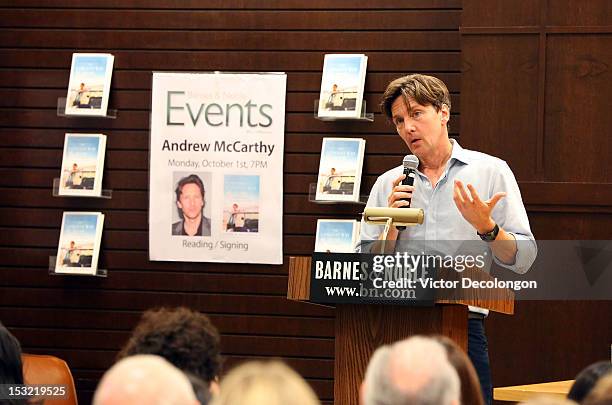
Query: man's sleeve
[[511, 216]]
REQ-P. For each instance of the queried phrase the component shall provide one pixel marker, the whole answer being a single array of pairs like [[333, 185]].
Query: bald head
[[414, 371], [144, 379]]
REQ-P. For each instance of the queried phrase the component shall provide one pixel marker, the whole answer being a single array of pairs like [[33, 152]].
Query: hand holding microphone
[[403, 186]]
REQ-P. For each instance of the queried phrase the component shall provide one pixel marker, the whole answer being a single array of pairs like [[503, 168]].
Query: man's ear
[[445, 113]]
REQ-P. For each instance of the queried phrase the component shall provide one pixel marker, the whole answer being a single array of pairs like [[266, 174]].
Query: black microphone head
[[410, 161]]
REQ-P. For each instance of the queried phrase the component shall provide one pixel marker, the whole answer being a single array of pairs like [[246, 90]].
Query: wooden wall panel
[[589, 13], [511, 92], [86, 320], [560, 156], [499, 13], [578, 82]]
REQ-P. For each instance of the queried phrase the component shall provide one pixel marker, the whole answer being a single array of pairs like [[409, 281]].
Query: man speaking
[[466, 195]]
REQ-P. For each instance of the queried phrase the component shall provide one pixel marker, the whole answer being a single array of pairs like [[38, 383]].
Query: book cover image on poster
[[89, 85], [82, 165], [340, 169], [79, 243], [336, 235], [342, 85], [240, 203], [190, 210]]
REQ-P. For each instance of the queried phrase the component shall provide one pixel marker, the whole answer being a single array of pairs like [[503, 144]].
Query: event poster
[[216, 167]]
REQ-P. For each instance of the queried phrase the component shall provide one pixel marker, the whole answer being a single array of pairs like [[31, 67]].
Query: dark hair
[[471, 393], [185, 338], [191, 179], [11, 367], [601, 394], [586, 380], [425, 90]]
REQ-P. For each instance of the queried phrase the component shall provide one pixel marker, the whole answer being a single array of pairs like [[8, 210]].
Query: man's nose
[[409, 125]]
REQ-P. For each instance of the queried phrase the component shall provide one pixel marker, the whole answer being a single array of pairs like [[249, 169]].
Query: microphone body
[[410, 164]]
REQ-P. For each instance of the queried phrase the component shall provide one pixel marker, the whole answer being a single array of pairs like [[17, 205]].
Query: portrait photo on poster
[[190, 212]]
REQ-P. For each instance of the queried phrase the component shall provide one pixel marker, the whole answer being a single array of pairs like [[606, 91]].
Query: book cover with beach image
[[89, 85], [342, 85], [79, 243], [241, 203], [340, 169], [82, 165], [336, 235]]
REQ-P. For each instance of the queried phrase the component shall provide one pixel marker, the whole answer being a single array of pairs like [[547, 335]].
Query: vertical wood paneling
[[560, 141], [579, 79], [511, 92]]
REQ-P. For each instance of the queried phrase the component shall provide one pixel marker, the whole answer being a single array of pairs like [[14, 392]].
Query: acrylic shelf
[[61, 111], [312, 193], [365, 116], [52, 259]]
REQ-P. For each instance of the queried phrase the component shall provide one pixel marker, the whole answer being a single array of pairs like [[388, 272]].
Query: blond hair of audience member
[[264, 383], [413, 371], [144, 379], [548, 401], [601, 393], [471, 394]]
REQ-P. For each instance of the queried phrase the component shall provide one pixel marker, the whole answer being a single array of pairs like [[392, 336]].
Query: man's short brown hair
[[185, 338], [425, 90]]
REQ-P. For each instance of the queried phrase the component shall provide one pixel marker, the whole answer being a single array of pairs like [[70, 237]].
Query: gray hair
[[415, 371], [144, 379]]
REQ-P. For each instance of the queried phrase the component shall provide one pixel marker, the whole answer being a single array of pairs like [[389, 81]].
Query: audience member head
[[259, 383], [414, 371], [11, 368], [601, 394], [144, 379], [471, 392], [587, 378], [184, 337]]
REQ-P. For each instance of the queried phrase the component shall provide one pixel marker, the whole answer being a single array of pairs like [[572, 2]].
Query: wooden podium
[[361, 328]]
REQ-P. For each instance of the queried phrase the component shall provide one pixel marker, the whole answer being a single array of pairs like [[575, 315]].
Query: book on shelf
[[340, 167], [337, 235], [79, 243], [342, 85], [82, 165], [89, 84]]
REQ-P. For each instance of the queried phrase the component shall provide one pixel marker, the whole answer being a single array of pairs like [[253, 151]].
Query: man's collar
[[459, 153]]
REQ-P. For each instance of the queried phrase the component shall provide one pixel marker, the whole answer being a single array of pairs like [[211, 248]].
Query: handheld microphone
[[410, 164]]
